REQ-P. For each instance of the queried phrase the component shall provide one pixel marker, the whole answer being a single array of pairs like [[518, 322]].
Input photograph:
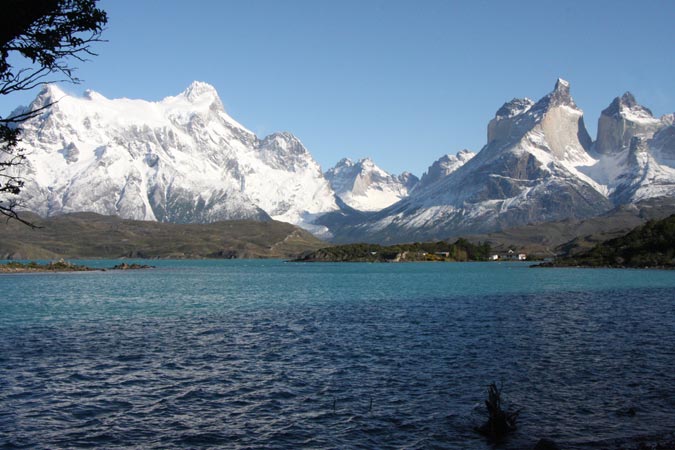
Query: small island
[[459, 251], [54, 266], [132, 266], [62, 266]]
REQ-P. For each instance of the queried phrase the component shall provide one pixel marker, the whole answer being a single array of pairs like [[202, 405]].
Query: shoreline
[[549, 265], [62, 266]]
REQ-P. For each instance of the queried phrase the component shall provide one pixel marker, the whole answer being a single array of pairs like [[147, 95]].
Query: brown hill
[[569, 237], [89, 235]]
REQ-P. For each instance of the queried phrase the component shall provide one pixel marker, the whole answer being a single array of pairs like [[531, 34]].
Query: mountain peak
[[627, 107], [364, 186], [444, 166], [199, 90], [93, 95], [514, 107], [344, 162], [623, 119], [628, 99], [51, 92], [366, 162], [562, 85], [561, 94]]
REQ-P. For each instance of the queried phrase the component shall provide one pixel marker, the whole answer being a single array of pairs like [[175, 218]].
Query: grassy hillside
[[88, 235], [650, 245], [570, 237]]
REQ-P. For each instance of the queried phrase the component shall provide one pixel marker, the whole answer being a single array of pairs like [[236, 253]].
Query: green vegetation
[[62, 266], [54, 266], [88, 235], [460, 250], [650, 245]]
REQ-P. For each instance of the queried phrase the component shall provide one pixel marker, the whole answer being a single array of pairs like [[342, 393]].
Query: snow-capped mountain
[[364, 186], [622, 120], [443, 167], [634, 152], [182, 159], [539, 165]]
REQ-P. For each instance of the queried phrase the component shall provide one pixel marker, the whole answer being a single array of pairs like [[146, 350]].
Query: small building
[[510, 255], [445, 254]]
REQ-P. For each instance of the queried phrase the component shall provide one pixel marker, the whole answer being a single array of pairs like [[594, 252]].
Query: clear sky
[[403, 82]]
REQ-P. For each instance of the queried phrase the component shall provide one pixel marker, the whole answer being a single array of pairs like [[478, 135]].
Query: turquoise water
[[179, 288], [284, 355]]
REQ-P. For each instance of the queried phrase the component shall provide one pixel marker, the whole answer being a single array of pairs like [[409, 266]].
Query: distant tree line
[[650, 245], [460, 250]]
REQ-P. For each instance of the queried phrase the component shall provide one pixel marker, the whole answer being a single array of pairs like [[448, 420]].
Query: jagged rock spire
[[560, 96], [626, 102], [623, 119]]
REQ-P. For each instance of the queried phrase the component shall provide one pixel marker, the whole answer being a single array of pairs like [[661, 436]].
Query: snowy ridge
[[623, 119], [182, 159], [635, 152], [366, 187], [443, 167]]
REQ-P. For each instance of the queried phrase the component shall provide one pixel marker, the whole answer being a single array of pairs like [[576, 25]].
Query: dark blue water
[[244, 354]]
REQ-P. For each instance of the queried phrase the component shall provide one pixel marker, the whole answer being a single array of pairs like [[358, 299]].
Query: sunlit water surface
[[250, 354]]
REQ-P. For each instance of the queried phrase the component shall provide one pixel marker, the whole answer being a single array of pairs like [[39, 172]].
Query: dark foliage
[[499, 422], [44, 37], [54, 266], [650, 245], [460, 250]]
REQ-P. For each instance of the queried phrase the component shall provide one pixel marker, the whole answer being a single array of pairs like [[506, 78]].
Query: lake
[[251, 354]]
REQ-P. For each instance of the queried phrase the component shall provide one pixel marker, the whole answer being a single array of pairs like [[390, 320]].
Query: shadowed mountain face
[[622, 120]]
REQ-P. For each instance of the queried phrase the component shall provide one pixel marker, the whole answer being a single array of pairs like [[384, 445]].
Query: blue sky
[[403, 82]]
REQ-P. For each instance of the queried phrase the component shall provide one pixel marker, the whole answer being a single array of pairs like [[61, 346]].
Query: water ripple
[[585, 366]]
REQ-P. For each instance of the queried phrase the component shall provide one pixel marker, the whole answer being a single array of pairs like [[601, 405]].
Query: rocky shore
[[62, 266]]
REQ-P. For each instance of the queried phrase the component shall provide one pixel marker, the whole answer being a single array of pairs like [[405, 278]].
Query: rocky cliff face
[[622, 120], [634, 153], [663, 143]]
